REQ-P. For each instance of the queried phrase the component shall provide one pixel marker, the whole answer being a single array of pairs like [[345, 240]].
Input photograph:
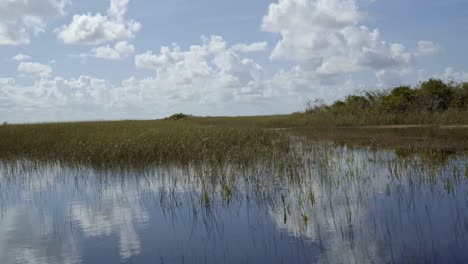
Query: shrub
[[177, 116], [432, 101], [436, 95]]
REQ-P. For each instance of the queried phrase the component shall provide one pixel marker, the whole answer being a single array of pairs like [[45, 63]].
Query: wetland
[[181, 192]]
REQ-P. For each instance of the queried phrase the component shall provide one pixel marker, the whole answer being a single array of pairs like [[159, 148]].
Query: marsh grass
[[296, 185], [243, 141], [139, 143]]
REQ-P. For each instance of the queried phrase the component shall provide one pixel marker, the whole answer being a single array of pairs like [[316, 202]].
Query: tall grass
[[139, 143], [198, 140]]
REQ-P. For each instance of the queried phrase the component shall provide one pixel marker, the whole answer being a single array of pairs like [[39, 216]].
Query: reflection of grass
[[403, 138], [329, 193]]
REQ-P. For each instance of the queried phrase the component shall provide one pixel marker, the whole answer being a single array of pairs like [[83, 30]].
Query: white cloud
[[301, 84], [19, 20], [95, 29], [212, 71], [7, 82], [118, 9], [207, 76], [426, 48], [389, 78], [119, 51], [56, 99], [450, 74], [21, 57], [212, 77], [254, 47], [60, 98], [326, 36], [35, 69]]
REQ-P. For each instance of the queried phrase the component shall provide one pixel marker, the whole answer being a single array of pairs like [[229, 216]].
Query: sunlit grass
[[139, 143], [234, 140]]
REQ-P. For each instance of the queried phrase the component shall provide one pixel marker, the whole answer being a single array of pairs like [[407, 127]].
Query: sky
[[69, 60]]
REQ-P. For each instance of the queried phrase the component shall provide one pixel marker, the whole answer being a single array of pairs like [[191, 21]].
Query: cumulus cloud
[[326, 35], [119, 51], [35, 69], [56, 98], [450, 74], [426, 48], [253, 47], [394, 77], [21, 57], [210, 74], [19, 20], [96, 29], [212, 69], [118, 9]]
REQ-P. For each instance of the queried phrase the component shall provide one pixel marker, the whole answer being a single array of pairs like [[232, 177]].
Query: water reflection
[[337, 205]]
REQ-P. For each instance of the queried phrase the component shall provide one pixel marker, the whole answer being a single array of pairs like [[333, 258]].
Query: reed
[[139, 143]]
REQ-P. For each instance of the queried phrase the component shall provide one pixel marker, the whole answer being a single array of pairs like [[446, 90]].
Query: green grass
[[139, 143], [217, 140]]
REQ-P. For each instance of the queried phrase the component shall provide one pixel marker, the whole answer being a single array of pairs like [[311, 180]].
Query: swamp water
[[337, 205]]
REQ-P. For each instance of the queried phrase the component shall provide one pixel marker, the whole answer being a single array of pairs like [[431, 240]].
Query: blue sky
[[126, 59]]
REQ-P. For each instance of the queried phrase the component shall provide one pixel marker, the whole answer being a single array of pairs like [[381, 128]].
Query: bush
[[177, 116], [436, 95], [433, 101], [400, 100]]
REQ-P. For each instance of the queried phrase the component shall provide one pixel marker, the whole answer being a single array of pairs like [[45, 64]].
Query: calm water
[[338, 206]]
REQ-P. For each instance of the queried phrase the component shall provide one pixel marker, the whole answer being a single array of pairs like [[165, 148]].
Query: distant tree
[[399, 105], [436, 95], [460, 98], [314, 106], [5, 123], [400, 100], [338, 104], [177, 116], [357, 104]]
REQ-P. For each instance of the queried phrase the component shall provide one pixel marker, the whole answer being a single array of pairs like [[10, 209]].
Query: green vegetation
[[139, 143], [162, 142], [178, 116], [432, 102]]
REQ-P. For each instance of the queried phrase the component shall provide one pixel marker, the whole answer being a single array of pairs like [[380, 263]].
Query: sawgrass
[[139, 143], [216, 140]]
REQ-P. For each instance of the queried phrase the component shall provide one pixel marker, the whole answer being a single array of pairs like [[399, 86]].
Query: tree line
[[432, 101]]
